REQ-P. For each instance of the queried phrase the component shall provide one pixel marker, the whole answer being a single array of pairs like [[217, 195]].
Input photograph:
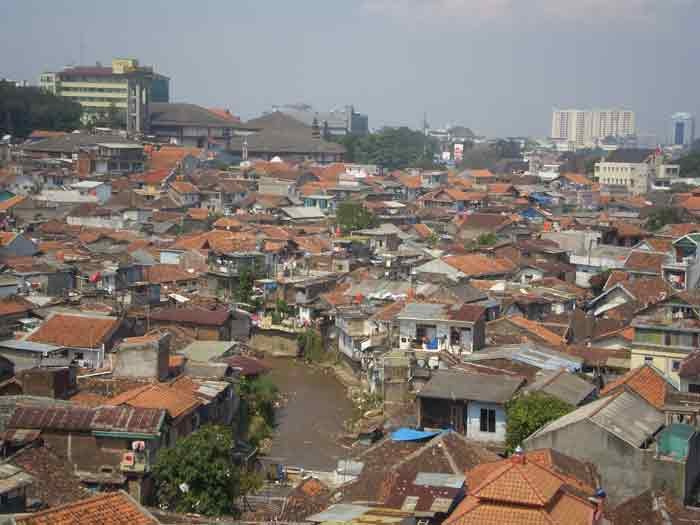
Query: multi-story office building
[[585, 128], [126, 86], [682, 129]]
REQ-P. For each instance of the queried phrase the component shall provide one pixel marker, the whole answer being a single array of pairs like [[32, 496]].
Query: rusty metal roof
[[82, 419]]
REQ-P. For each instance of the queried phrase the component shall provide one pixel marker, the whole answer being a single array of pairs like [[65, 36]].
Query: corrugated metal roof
[[204, 351], [431, 479], [422, 311], [339, 512], [562, 385], [12, 478], [27, 346], [474, 387], [625, 415]]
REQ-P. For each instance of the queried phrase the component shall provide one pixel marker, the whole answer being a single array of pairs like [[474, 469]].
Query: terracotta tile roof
[[467, 312], [475, 265], [658, 244], [645, 381], [166, 216], [168, 157], [247, 366], [198, 214], [182, 187], [15, 305], [578, 178], [653, 508], [423, 231], [389, 312], [55, 482], [616, 276], [480, 174], [313, 245], [648, 291], [110, 508], [224, 114], [412, 182], [580, 474], [309, 497], [175, 401], [154, 177], [482, 221], [537, 329], [88, 399], [75, 331], [691, 203], [499, 187], [453, 195], [679, 230], [628, 229], [643, 261], [167, 273], [220, 240], [192, 315], [228, 223], [449, 453], [11, 202], [520, 491], [7, 237], [690, 366]]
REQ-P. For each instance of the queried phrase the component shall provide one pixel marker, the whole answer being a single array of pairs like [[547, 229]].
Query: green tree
[[660, 217], [487, 239], [25, 109], [259, 396], [245, 293], [310, 345], [690, 163], [391, 148], [198, 474], [352, 216], [528, 413]]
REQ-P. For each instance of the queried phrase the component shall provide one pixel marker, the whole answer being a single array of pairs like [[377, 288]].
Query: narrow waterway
[[312, 416]]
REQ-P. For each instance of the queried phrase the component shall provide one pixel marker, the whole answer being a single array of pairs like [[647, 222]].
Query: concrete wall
[[473, 423], [147, 360], [625, 471], [114, 223], [274, 343]]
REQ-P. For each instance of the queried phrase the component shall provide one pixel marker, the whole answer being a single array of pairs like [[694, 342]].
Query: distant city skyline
[[490, 67]]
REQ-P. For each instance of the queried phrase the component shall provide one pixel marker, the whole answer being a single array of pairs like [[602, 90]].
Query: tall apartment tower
[[586, 128], [682, 129]]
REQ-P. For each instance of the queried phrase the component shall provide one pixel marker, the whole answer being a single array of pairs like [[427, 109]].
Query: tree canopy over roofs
[[25, 109], [392, 148], [352, 216], [528, 413], [690, 163]]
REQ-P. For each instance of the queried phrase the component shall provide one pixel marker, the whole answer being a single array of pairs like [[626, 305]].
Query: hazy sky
[[498, 66]]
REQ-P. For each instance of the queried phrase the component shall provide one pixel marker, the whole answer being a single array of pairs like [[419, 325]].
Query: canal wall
[[275, 343]]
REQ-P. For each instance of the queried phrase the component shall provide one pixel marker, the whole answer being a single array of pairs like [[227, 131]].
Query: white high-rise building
[[586, 128]]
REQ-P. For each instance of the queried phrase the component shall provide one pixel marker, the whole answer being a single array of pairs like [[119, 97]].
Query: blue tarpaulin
[[433, 344], [410, 434]]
